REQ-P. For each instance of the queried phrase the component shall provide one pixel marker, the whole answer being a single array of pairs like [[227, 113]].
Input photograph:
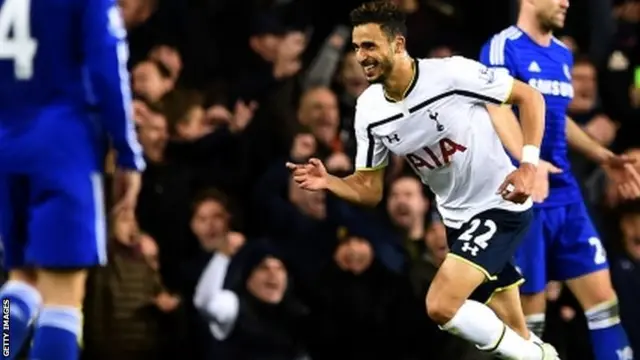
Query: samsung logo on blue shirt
[[552, 87]]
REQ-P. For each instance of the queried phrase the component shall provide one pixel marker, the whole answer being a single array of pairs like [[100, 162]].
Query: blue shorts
[[55, 222], [562, 244], [51, 197]]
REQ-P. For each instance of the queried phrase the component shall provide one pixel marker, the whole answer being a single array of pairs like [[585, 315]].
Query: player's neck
[[536, 32], [401, 79]]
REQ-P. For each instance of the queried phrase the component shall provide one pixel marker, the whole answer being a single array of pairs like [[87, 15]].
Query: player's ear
[[400, 44]]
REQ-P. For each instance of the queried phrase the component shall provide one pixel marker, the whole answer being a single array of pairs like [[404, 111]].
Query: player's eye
[[368, 46]]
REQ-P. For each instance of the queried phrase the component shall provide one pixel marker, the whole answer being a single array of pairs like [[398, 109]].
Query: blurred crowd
[[226, 259]]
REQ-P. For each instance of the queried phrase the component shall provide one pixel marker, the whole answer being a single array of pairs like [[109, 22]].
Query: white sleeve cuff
[[223, 313]]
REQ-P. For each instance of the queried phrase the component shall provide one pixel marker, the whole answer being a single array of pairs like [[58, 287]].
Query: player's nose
[[361, 57]]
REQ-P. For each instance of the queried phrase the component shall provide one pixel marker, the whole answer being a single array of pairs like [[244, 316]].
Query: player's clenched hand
[[541, 186], [310, 176], [518, 185], [621, 170]]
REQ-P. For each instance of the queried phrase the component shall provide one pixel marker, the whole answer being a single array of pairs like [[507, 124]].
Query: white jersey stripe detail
[[496, 50], [559, 42], [497, 46]]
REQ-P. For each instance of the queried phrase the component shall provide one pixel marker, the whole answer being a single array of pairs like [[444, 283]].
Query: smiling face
[[376, 51]]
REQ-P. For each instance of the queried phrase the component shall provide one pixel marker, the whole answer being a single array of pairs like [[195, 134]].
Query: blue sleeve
[[570, 60], [106, 54], [498, 53]]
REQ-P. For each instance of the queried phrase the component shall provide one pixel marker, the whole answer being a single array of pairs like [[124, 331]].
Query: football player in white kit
[[432, 113]]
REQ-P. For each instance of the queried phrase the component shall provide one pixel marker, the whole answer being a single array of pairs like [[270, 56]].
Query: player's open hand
[[541, 185], [621, 170], [518, 186], [310, 176]]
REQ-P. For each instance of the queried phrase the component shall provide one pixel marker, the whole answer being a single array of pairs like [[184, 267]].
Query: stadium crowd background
[[227, 92]]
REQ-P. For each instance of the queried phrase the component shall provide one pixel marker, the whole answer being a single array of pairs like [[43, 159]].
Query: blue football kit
[[64, 93], [63, 85], [562, 243]]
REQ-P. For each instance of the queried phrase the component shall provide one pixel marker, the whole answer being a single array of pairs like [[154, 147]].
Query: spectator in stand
[[625, 271], [227, 91], [319, 112], [167, 188], [169, 57], [126, 303], [258, 318], [151, 80], [359, 299], [210, 225]]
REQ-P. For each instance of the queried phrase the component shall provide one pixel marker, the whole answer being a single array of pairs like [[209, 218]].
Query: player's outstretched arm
[[361, 187], [619, 168], [510, 133], [520, 184], [532, 114], [508, 129], [581, 142]]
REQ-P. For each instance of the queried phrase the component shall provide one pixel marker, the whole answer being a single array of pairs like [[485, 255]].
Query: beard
[[385, 66], [548, 24]]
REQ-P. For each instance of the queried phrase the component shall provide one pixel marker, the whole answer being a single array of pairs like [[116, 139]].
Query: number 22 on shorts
[[480, 241]]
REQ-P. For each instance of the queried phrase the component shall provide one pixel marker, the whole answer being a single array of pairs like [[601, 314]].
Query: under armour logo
[[434, 116], [470, 249], [393, 138]]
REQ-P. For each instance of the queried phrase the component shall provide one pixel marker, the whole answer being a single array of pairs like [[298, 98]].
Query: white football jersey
[[444, 131]]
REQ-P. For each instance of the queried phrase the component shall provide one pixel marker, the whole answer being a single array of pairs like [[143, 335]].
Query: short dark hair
[[177, 104], [582, 59], [210, 194], [384, 13], [163, 69]]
